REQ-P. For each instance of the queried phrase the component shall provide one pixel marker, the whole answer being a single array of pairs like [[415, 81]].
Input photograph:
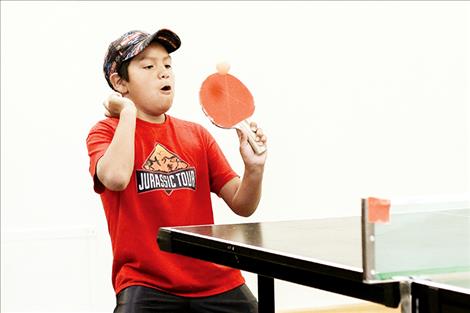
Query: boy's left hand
[[250, 158]]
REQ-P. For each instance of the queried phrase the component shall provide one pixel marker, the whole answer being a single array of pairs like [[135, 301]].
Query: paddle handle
[[257, 146]]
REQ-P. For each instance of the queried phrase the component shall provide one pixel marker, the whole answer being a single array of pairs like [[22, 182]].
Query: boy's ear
[[119, 83]]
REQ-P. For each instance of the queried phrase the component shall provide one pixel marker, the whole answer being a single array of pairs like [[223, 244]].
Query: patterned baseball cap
[[131, 44]]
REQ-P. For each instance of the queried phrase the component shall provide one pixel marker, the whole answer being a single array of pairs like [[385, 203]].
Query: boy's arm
[[114, 168], [243, 195]]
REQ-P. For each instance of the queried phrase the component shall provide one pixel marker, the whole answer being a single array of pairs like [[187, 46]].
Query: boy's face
[[151, 84]]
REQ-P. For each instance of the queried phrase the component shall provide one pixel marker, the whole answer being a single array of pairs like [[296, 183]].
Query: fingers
[[115, 103], [260, 136], [106, 110], [252, 143], [115, 98]]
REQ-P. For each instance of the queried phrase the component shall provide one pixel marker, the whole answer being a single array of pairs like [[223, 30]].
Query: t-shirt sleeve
[[220, 171], [98, 140]]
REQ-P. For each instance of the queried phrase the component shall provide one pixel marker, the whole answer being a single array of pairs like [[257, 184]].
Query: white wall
[[357, 98]]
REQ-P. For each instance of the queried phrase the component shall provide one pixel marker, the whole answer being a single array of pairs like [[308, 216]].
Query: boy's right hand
[[115, 103]]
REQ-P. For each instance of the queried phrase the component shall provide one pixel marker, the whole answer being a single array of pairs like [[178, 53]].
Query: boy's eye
[[148, 67], [168, 66]]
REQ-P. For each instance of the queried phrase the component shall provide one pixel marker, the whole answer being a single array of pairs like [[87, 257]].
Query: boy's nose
[[164, 75]]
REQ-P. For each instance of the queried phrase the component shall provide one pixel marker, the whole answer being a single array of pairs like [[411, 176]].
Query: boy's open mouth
[[166, 88]]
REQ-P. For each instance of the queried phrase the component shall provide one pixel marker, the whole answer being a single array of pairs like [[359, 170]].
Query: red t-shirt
[[177, 165]]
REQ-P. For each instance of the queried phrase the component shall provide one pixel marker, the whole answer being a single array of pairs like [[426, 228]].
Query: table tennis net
[[421, 237]]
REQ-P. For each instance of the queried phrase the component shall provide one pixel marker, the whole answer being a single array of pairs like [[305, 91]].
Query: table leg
[[265, 294], [405, 295]]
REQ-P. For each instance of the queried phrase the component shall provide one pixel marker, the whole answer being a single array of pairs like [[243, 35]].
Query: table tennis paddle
[[228, 103]]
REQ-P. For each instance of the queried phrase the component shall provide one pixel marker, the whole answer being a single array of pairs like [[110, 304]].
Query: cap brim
[[166, 38]]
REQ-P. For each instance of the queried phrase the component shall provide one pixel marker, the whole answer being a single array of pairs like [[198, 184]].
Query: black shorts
[[139, 299]]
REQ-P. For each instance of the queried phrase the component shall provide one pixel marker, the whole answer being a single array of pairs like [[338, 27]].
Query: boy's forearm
[[248, 195], [114, 169]]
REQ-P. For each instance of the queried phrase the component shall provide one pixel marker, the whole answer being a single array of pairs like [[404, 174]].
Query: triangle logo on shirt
[[164, 170], [162, 160]]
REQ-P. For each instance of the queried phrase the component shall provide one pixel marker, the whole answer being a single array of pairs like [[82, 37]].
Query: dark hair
[[122, 71]]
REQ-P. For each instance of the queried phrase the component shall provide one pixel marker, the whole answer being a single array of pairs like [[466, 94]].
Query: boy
[[153, 170]]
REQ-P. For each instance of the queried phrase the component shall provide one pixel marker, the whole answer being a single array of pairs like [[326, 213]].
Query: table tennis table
[[404, 262]]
